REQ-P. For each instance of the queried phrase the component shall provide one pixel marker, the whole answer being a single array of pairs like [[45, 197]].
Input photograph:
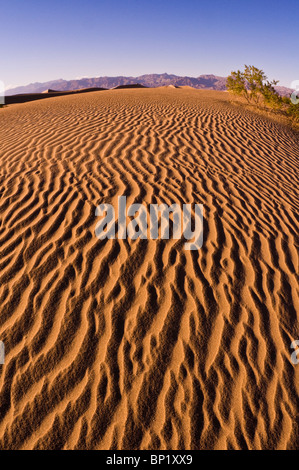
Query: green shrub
[[255, 87], [293, 112]]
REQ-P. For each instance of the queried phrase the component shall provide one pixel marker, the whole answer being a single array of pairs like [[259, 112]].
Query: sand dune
[[132, 85], [26, 97], [121, 344]]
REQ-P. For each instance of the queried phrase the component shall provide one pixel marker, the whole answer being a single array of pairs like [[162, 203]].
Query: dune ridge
[[121, 344]]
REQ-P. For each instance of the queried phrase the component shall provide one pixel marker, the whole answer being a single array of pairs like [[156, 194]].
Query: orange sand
[[122, 344]]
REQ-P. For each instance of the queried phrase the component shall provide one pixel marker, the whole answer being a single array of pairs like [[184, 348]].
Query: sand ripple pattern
[[122, 344]]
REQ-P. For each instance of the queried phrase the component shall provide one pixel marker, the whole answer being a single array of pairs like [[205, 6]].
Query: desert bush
[[293, 112], [254, 86], [236, 84]]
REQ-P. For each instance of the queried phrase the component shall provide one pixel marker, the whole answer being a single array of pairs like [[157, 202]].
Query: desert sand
[[123, 344]]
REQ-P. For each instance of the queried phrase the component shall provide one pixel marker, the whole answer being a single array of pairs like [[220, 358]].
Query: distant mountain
[[153, 80], [208, 82]]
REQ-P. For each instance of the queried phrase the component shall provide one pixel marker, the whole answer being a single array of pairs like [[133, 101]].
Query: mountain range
[[208, 82]]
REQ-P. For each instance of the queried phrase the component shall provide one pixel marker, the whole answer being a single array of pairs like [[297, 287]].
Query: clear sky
[[46, 40]]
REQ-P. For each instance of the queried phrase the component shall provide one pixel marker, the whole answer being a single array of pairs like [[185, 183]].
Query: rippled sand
[[122, 344]]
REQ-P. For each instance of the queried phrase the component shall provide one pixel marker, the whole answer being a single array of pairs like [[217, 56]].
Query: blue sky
[[47, 40]]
